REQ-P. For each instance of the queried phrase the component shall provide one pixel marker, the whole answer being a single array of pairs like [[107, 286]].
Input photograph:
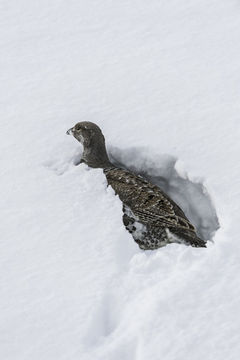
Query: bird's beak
[[70, 131]]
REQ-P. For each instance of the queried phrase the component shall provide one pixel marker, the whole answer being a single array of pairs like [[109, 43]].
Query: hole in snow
[[165, 171]]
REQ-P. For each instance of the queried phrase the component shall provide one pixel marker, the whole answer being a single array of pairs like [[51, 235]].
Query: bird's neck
[[96, 156]]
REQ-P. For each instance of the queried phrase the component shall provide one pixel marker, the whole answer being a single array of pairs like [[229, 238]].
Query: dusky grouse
[[152, 218]]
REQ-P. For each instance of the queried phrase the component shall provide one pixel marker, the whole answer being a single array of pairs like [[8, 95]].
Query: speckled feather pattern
[[152, 218]]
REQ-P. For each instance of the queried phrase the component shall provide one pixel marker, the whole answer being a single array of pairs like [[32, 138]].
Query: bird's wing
[[150, 204]]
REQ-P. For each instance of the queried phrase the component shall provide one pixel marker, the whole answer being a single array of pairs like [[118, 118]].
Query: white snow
[[161, 78]]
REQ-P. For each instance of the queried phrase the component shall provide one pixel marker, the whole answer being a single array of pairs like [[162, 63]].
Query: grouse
[[153, 219]]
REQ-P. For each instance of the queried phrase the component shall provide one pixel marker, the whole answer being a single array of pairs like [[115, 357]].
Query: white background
[[162, 80]]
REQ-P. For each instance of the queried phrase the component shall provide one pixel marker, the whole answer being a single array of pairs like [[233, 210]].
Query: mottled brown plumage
[[152, 218]]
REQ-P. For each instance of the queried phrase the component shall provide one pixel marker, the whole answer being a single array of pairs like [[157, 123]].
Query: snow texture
[[161, 78]]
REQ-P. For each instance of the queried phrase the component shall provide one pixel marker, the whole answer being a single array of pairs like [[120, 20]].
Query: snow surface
[[162, 79]]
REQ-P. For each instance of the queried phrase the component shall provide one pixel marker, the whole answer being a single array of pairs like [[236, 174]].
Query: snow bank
[[161, 79]]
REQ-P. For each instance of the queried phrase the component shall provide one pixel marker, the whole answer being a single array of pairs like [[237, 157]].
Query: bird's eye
[[78, 127]]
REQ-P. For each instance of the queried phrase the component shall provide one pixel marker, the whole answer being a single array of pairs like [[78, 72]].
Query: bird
[[149, 214]]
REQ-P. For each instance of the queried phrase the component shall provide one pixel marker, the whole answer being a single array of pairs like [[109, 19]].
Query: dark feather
[[147, 207]]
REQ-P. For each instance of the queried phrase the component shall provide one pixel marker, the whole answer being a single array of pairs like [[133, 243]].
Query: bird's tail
[[189, 237]]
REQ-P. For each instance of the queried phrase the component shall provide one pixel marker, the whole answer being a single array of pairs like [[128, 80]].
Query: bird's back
[[149, 214]]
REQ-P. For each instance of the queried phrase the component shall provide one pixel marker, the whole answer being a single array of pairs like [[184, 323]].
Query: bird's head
[[92, 139], [87, 133]]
